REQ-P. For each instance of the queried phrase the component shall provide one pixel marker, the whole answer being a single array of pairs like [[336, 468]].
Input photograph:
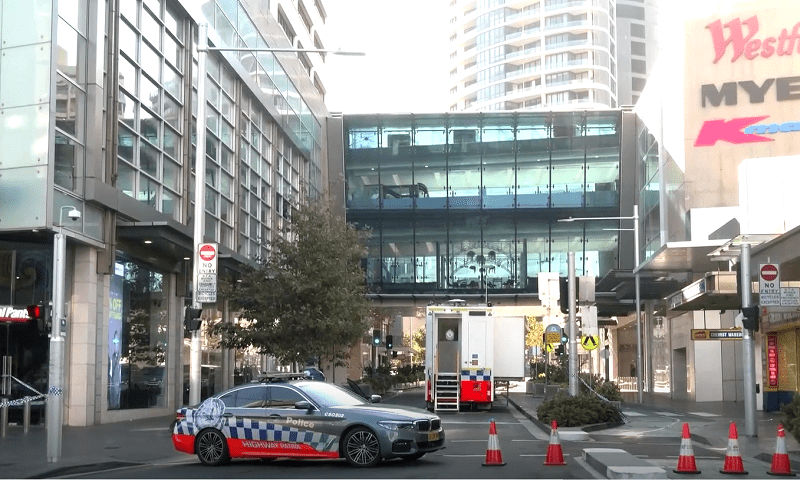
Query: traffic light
[[560, 349], [750, 320], [41, 315], [564, 337], [376, 337], [389, 342], [191, 319]]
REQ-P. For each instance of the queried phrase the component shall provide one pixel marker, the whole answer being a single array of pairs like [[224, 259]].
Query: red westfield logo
[[741, 37]]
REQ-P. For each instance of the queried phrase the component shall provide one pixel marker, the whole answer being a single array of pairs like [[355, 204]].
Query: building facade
[[536, 54], [466, 205], [97, 108]]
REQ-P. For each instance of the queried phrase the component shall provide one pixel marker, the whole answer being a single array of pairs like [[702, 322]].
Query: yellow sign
[[552, 337], [548, 347], [590, 342]]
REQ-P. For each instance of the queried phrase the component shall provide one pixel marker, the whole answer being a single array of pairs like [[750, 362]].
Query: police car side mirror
[[375, 399], [303, 405]]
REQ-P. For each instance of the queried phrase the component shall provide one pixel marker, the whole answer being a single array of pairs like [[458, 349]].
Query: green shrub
[[570, 411], [792, 412], [610, 390]]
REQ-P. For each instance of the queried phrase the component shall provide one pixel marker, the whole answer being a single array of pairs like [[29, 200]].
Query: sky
[[404, 69]]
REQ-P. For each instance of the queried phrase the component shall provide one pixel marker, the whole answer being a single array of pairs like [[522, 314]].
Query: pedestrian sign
[[590, 342], [548, 347]]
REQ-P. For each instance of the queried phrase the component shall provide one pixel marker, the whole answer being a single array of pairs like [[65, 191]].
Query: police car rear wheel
[[211, 448], [362, 448]]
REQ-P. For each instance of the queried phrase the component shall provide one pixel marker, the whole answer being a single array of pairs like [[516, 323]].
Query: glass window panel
[[170, 204], [226, 185], [173, 52], [172, 112], [212, 200], [212, 147], [151, 61], [212, 94], [148, 126], [172, 144], [148, 159], [226, 108], [130, 10], [74, 12], [226, 81], [172, 175], [150, 94], [151, 29], [126, 144], [71, 58], [226, 159], [127, 75], [212, 175], [154, 6], [226, 133], [173, 82], [66, 152], [147, 191], [226, 211], [126, 178], [70, 107], [127, 110], [128, 39], [173, 22]]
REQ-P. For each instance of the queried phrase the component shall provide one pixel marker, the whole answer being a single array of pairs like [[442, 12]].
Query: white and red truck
[[468, 350]]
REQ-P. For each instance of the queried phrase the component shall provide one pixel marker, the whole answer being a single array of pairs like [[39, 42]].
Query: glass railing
[[575, 23], [557, 6], [554, 46]]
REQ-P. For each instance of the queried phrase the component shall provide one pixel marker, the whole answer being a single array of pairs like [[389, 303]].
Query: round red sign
[[207, 253], [769, 272]]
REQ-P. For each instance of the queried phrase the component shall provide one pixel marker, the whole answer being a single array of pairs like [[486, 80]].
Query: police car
[[284, 418]]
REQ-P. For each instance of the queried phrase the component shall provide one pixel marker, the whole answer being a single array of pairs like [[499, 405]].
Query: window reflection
[[71, 54], [137, 337]]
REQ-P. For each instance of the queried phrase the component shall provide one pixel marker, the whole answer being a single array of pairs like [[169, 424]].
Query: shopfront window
[[137, 337]]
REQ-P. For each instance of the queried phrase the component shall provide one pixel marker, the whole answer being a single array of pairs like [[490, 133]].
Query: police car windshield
[[329, 395]]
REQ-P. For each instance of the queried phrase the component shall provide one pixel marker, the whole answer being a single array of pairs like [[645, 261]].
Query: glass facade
[[471, 201], [137, 336]]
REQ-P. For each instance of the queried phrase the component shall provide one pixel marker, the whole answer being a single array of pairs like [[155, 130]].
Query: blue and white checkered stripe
[[247, 429], [481, 375]]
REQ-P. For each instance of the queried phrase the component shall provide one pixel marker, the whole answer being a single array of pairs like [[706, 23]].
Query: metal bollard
[[3, 417], [26, 415]]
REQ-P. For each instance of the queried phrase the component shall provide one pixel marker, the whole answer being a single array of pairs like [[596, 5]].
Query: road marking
[[633, 414], [526, 440], [703, 414], [464, 441], [669, 414]]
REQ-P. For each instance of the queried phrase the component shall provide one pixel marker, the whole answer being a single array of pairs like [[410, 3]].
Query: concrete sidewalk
[[87, 449]]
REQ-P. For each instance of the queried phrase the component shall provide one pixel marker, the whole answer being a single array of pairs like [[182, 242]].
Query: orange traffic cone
[[493, 456], [555, 456], [733, 460], [686, 463], [780, 460]]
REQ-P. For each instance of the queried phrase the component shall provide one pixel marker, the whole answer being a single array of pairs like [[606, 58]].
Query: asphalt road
[[522, 447]]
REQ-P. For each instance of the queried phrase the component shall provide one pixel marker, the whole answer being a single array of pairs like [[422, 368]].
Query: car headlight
[[396, 425]]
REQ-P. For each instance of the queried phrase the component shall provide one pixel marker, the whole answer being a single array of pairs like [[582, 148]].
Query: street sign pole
[[748, 347], [573, 344]]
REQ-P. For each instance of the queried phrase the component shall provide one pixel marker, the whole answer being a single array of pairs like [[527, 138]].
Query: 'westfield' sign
[[745, 44]]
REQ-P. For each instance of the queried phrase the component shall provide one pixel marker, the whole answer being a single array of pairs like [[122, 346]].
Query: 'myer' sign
[[741, 89]]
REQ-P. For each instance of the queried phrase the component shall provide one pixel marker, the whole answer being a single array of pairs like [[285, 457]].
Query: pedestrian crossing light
[[191, 319], [389, 342], [750, 320], [376, 337], [560, 349], [41, 315]]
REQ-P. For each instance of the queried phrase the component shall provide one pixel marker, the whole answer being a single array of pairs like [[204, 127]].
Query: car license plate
[[433, 436]]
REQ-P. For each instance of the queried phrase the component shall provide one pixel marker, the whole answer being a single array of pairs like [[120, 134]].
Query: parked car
[[279, 418], [314, 373]]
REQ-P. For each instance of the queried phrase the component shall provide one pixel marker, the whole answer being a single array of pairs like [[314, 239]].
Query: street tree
[[307, 298]]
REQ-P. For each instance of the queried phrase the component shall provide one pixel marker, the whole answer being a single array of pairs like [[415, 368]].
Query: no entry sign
[[769, 285], [208, 251]]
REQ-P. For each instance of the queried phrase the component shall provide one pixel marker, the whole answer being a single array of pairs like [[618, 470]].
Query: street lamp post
[[200, 183], [635, 218], [55, 399]]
